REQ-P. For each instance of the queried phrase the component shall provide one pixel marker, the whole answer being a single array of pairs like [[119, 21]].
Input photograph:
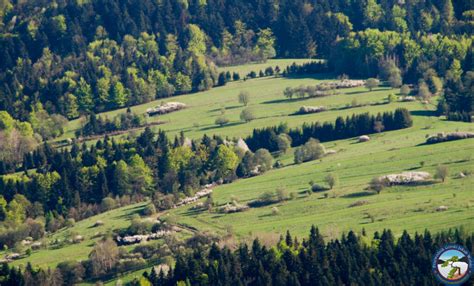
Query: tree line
[[120, 53], [350, 259], [54, 185], [358, 124]]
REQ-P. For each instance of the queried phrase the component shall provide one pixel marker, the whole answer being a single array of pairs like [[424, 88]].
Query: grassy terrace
[[398, 208]]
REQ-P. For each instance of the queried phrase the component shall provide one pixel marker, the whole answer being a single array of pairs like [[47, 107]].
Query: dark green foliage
[[97, 125], [355, 125], [344, 261], [78, 57]]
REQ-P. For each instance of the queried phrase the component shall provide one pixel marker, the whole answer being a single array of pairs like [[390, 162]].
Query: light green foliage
[[398, 22], [119, 94], [121, 178], [5, 6], [183, 83], [46, 125], [226, 161], [426, 21], [60, 23], [265, 44], [141, 179], [71, 106], [6, 121], [197, 40], [373, 13], [163, 87], [3, 208], [103, 88], [180, 157], [455, 71], [448, 12], [392, 97], [84, 95]]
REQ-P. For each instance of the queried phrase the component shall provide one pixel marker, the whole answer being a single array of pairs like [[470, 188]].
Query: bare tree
[[244, 98], [442, 172], [104, 256]]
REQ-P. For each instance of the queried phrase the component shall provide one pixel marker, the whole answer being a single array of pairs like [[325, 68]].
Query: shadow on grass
[[218, 127], [423, 113], [320, 76], [191, 212], [135, 210], [226, 108], [358, 194], [424, 183], [357, 92], [284, 100], [266, 215]]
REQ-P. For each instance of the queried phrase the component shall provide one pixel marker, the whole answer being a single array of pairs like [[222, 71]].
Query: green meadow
[[411, 208]]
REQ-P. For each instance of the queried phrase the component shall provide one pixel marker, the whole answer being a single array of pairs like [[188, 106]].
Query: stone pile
[[165, 108], [406, 178], [189, 200], [442, 137], [311, 109], [138, 238]]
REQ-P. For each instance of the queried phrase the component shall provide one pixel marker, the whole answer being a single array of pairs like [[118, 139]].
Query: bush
[[372, 83], [392, 97], [70, 222], [282, 194], [311, 150], [377, 184], [263, 159], [149, 210], [221, 121], [405, 90], [107, 204], [247, 115]]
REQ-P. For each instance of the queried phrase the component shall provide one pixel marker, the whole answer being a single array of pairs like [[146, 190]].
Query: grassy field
[[266, 100], [398, 208], [114, 219], [244, 70], [412, 208]]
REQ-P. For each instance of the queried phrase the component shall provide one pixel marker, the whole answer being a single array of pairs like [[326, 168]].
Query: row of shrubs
[[96, 125]]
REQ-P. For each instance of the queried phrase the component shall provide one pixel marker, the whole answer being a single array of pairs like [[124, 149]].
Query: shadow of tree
[[358, 194]]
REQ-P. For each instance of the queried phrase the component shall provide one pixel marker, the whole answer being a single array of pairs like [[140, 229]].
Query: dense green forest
[[82, 181], [311, 261], [64, 60], [75, 57]]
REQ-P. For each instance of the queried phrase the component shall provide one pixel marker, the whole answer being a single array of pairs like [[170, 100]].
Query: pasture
[[404, 207]]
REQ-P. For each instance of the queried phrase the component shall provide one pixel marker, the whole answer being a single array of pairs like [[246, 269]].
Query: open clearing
[[397, 208], [267, 102]]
